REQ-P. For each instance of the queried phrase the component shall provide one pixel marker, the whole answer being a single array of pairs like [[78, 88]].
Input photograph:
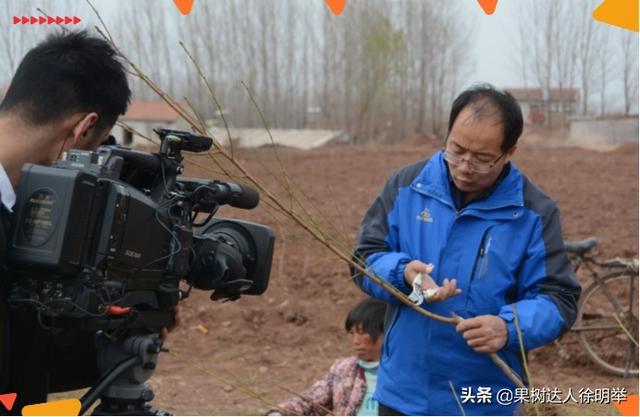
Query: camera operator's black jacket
[[34, 362], [5, 224]]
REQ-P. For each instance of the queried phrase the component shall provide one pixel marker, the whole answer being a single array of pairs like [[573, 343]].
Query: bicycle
[[607, 322]]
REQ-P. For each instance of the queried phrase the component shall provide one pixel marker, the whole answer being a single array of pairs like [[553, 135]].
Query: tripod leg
[[94, 393]]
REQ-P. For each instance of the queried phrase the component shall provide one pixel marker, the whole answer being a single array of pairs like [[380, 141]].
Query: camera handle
[[126, 365]]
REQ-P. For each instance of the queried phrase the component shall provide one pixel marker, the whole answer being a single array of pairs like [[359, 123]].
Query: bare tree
[[12, 42], [587, 44], [629, 65], [379, 58], [420, 58], [603, 52], [561, 46], [449, 45], [145, 37], [546, 31], [565, 30]]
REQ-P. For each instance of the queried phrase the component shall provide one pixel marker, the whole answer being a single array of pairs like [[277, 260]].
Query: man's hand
[[485, 334], [448, 289], [413, 268]]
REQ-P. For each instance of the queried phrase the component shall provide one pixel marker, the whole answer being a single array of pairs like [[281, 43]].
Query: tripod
[[125, 365]]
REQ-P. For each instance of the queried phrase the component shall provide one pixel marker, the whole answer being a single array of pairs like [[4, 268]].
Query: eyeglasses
[[474, 165]]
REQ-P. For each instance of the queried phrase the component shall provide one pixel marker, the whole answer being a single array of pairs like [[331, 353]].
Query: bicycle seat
[[581, 247]]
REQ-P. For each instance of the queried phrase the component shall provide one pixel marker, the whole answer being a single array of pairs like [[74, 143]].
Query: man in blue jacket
[[492, 243]]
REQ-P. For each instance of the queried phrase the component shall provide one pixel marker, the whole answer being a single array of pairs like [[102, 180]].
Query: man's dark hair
[[487, 101], [369, 314], [67, 73]]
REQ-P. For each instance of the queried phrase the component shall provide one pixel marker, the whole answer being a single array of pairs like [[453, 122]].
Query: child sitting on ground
[[347, 389]]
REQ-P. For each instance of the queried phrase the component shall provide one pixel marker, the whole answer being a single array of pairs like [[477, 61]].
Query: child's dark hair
[[369, 314]]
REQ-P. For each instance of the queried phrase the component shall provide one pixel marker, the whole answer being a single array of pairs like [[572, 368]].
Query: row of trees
[[562, 46], [384, 69]]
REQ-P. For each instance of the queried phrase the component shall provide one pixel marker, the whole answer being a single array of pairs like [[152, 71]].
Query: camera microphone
[[208, 194], [236, 195]]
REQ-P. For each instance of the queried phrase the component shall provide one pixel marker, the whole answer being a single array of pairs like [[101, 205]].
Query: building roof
[[153, 111], [536, 94]]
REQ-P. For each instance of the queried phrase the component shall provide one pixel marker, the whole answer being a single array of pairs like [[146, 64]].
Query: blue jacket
[[503, 249]]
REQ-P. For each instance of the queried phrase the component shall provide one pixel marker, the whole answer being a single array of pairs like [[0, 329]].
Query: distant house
[[144, 116], [547, 107]]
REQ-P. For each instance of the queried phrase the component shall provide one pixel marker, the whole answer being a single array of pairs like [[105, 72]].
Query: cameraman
[[67, 93]]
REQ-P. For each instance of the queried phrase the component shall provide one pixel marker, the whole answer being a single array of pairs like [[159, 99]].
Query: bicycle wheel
[[607, 322]]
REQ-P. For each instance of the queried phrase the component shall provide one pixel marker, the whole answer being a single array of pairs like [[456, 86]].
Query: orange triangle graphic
[[489, 6], [336, 6], [7, 400], [184, 5], [621, 13], [628, 407]]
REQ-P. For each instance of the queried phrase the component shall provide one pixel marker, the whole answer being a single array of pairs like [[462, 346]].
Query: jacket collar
[[433, 180], [7, 193]]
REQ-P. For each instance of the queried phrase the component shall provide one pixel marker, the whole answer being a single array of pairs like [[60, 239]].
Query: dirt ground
[[243, 357]]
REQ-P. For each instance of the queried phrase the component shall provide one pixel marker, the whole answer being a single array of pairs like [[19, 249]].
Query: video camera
[[102, 239]]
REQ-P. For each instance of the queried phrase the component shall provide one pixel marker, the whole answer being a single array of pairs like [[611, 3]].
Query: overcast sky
[[493, 51]]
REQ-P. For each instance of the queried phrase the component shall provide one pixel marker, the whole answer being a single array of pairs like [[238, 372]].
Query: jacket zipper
[[480, 254], [387, 330]]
